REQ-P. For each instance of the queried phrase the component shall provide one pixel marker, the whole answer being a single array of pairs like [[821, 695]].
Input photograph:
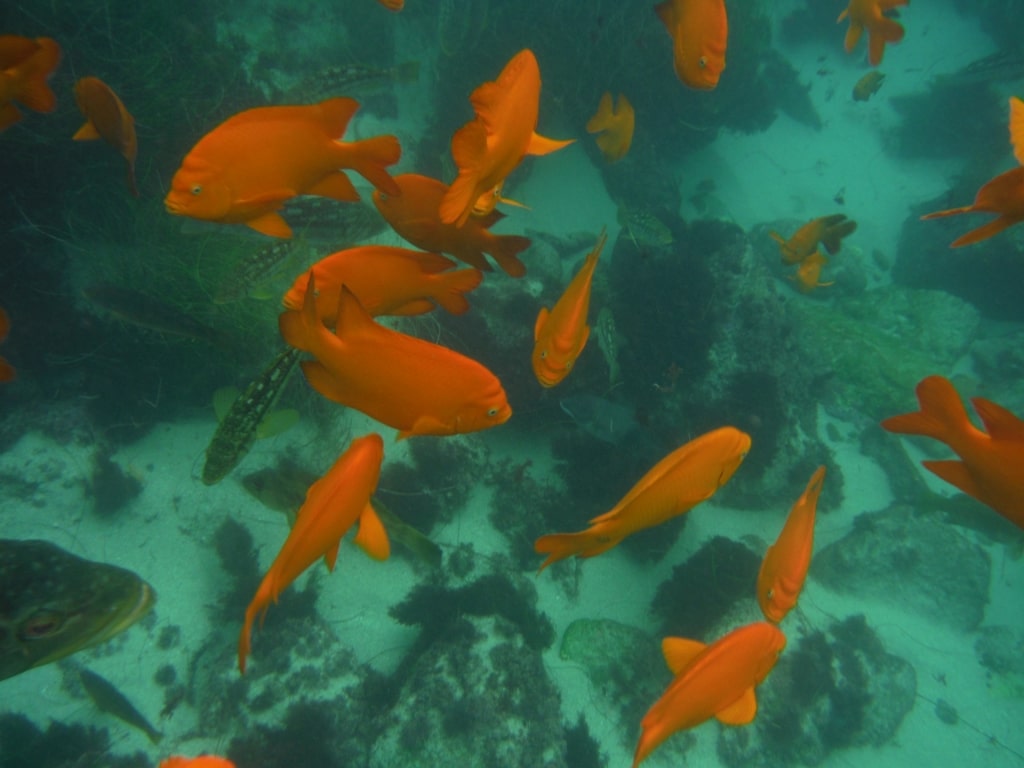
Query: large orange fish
[[991, 466], [414, 216], [676, 484], [700, 31], [1003, 195], [808, 274], [334, 503], [560, 335], [387, 281], [7, 372], [107, 119], [245, 169], [827, 230], [784, 568], [613, 126], [716, 680], [489, 147], [417, 387], [204, 761], [25, 67], [876, 17]]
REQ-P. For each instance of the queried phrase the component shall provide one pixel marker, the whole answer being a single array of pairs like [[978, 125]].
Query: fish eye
[[543, 354], [702, 62], [492, 412], [42, 624], [197, 189]]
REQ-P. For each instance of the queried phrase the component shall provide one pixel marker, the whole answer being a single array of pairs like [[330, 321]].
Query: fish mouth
[[171, 205], [128, 614]]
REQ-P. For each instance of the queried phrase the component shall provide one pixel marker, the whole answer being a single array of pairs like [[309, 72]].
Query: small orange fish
[[1003, 195], [716, 680], [488, 200], [7, 372], [560, 335], [489, 147], [868, 85], [676, 484], [25, 67], [387, 281], [614, 127], [417, 387], [876, 16], [699, 30], [393, 5], [784, 568], [107, 119], [414, 216], [808, 274], [827, 230], [204, 761], [991, 466], [245, 169], [334, 503]]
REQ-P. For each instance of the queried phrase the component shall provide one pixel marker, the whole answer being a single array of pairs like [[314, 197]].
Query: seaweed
[[24, 745]]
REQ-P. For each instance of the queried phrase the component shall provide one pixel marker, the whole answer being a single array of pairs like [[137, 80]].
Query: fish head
[[775, 601], [733, 446], [53, 604], [198, 192], [771, 642], [551, 364], [488, 410]]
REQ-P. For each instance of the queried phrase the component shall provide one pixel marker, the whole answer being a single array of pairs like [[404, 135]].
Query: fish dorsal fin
[[679, 652], [372, 538], [277, 422], [541, 145], [331, 555], [542, 317], [352, 316], [223, 399], [740, 712], [336, 114], [1000, 423], [956, 474], [87, 132], [1017, 128], [667, 16]]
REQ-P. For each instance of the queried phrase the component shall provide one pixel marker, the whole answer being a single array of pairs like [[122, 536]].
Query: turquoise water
[[904, 647]]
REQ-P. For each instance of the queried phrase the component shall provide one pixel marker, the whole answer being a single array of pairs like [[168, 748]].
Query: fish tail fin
[[371, 157], [558, 546], [541, 145], [853, 34], [942, 415], [456, 285], [505, 250], [258, 606], [985, 231], [603, 118], [1017, 128], [37, 94], [468, 146]]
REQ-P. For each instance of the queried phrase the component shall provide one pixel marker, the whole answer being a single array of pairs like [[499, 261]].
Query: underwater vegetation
[[24, 745]]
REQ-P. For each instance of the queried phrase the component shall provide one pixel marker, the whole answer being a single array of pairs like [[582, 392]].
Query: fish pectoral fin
[[223, 399], [87, 132], [740, 712], [679, 652], [270, 224], [331, 556], [372, 538], [541, 145], [277, 422], [955, 473]]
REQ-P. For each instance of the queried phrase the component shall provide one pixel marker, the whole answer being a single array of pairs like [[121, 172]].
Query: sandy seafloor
[[789, 171]]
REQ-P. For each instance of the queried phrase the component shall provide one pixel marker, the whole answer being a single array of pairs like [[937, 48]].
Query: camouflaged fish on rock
[[350, 80], [249, 418], [253, 274], [53, 604], [329, 223]]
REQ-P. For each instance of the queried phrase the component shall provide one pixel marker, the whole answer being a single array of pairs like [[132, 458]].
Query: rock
[[901, 558], [836, 689]]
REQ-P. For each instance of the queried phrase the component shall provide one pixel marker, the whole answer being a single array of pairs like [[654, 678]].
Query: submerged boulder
[[905, 559]]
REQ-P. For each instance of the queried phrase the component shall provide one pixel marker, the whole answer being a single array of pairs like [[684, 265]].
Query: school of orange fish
[[246, 168]]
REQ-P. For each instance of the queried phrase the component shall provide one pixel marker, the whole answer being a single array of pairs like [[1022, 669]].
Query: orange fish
[[488, 200], [808, 274], [204, 761], [560, 335], [7, 372], [991, 466], [716, 680], [393, 5], [245, 169], [107, 119], [25, 67], [1003, 195], [614, 127], [417, 387], [827, 230], [785, 564], [414, 216], [699, 30], [489, 147], [387, 281], [334, 503], [676, 484], [876, 16]]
